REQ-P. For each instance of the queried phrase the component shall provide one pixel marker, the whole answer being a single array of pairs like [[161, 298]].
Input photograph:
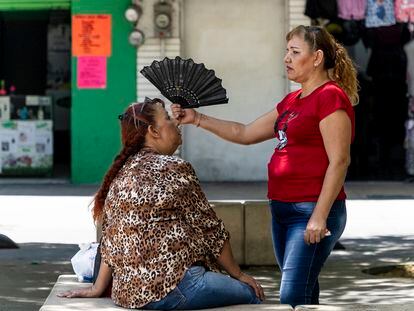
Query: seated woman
[[161, 240]]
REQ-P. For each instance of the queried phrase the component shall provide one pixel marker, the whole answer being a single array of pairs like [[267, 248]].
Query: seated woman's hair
[[134, 124]]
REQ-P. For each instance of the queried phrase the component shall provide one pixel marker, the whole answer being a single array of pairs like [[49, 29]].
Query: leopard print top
[[157, 222]]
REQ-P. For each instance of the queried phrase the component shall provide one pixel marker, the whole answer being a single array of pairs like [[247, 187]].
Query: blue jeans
[[300, 263], [200, 289]]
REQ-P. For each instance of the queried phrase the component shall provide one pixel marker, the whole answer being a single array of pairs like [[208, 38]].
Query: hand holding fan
[[186, 83]]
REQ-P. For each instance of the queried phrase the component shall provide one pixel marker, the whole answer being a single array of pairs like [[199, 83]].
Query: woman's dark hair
[[134, 125], [336, 59]]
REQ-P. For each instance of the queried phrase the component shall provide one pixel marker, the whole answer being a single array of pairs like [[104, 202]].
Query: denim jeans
[[300, 263], [200, 289]]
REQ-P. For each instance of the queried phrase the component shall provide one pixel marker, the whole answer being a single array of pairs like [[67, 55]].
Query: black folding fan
[[186, 83]]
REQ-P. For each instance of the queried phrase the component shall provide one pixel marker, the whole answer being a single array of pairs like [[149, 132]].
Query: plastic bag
[[84, 260]]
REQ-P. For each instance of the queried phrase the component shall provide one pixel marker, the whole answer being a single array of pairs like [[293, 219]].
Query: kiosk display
[[26, 135]]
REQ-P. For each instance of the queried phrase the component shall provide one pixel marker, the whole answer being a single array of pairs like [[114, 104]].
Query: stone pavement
[[214, 190], [27, 274], [48, 220]]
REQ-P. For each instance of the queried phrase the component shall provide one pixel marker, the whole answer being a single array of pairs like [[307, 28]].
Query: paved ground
[[214, 191], [42, 219], [27, 274]]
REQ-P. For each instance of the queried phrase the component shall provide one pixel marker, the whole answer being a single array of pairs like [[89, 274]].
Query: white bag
[[84, 260]]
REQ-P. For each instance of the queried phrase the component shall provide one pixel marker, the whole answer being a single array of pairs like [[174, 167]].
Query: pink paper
[[91, 72]]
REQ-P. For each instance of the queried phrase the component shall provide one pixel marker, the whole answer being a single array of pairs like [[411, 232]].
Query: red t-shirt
[[298, 165]]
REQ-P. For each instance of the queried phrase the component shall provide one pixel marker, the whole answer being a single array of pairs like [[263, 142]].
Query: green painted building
[[93, 134]]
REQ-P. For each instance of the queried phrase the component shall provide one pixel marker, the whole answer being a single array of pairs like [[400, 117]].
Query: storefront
[[35, 91], [56, 122], [378, 37], [56, 119]]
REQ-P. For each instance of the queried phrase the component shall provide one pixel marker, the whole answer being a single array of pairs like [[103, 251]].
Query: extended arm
[[257, 131], [336, 130], [97, 289]]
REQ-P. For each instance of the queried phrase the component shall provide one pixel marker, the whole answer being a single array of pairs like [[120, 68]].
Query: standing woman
[[314, 127]]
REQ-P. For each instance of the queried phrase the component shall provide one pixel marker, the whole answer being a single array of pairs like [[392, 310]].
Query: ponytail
[[110, 175], [345, 74]]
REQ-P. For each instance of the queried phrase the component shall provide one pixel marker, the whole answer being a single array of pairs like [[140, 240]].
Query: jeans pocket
[[172, 301], [305, 208], [196, 271]]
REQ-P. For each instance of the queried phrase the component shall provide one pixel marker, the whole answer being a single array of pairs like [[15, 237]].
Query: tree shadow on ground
[[29, 273], [342, 280]]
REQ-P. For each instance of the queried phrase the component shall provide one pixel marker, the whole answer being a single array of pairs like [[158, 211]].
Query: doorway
[[378, 151], [35, 88]]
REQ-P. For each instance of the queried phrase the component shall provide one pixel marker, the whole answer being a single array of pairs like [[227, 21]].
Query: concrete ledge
[[249, 224], [232, 214], [258, 237], [357, 307], [68, 282]]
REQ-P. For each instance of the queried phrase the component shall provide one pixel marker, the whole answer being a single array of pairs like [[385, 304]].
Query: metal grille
[[154, 49]]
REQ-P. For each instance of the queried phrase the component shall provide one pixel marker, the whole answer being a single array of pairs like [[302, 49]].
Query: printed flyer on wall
[[26, 147]]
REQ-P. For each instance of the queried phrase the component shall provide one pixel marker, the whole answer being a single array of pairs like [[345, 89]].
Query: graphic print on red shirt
[[284, 119]]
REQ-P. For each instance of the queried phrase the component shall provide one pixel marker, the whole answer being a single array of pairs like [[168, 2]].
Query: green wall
[[95, 125], [30, 5]]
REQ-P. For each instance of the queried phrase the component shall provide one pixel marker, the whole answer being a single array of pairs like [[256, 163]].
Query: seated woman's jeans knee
[[299, 262], [201, 289]]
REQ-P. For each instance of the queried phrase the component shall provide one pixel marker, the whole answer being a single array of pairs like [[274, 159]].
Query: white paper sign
[[4, 108], [44, 143], [8, 141], [32, 100], [26, 134], [8, 147]]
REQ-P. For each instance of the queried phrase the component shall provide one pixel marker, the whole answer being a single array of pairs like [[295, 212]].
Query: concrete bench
[[249, 225], [357, 307], [69, 282]]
